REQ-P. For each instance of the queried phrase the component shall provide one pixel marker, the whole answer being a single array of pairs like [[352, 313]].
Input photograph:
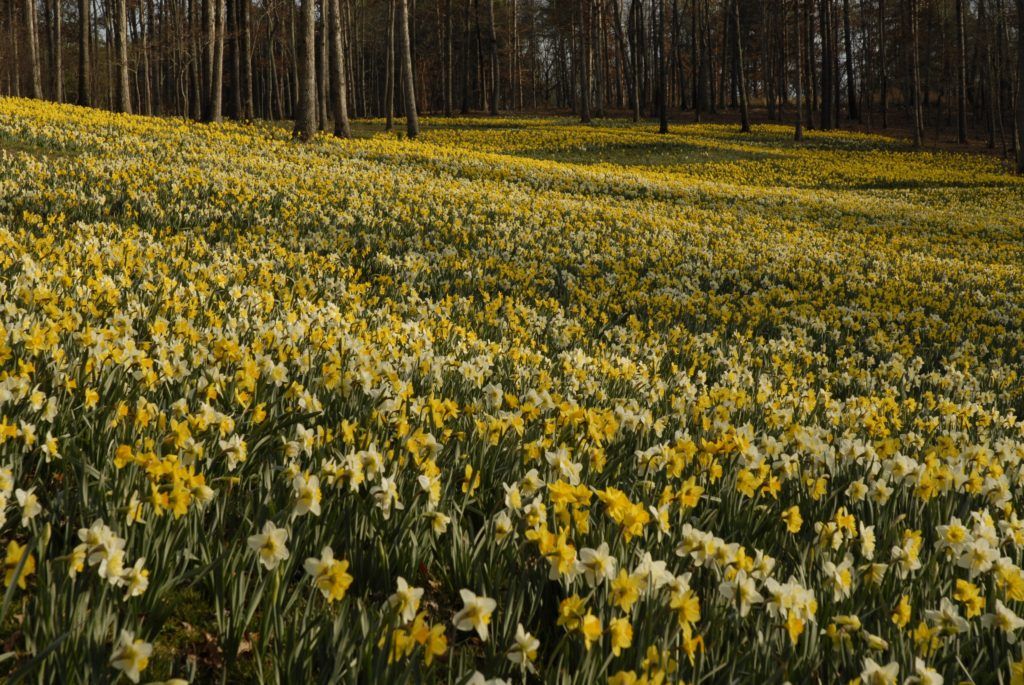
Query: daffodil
[[269, 545], [475, 613]]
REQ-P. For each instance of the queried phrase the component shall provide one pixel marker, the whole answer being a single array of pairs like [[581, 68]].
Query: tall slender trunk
[[305, 120], [464, 54], [216, 96], [124, 94], [740, 68], [798, 131], [585, 84], [827, 104], [883, 70], [449, 52], [851, 85], [144, 38], [323, 68], [412, 124], [915, 77], [84, 63], [58, 51], [339, 85], [389, 70], [209, 39], [662, 71], [248, 104], [635, 40], [492, 39], [696, 55], [1020, 86], [961, 75], [32, 43]]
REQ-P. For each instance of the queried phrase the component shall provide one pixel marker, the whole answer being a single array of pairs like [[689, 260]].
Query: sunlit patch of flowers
[[515, 402]]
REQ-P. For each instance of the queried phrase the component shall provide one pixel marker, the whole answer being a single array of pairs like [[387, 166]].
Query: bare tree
[[915, 76], [851, 84], [305, 120], [741, 69], [585, 81], [32, 43], [339, 85], [124, 92], [798, 130], [84, 63], [389, 70], [492, 39], [412, 122], [215, 99], [961, 75], [1020, 86], [662, 71], [58, 51]]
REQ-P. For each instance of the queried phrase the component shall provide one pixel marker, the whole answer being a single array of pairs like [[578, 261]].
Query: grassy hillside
[[699, 407]]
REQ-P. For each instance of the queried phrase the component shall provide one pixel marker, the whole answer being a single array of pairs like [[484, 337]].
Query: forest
[[933, 69]]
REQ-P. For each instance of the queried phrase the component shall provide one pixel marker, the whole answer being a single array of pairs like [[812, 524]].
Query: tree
[[492, 39], [305, 120], [84, 64], [389, 69], [339, 86], [961, 75], [1020, 86], [662, 71], [248, 104], [412, 123], [798, 130], [740, 67], [851, 85], [882, 66], [215, 98], [585, 83], [915, 77], [32, 43], [124, 92], [58, 51]]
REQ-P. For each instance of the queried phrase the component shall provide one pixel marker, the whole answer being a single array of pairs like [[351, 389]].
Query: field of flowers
[[520, 401]]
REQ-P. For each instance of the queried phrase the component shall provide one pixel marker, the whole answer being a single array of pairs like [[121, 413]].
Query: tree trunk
[[883, 87], [412, 124], [492, 39], [389, 70], [215, 98], [124, 94], [635, 40], [827, 104], [798, 131], [741, 69], [449, 59], [851, 86], [58, 51], [696, 55], [248, 104], [464, 54], [915, 78], [1020, 86], [585, 84], [305, 120], [961, 75], [339, 86], [84, 63], [209, 47], [662, 71], [32, 43]]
